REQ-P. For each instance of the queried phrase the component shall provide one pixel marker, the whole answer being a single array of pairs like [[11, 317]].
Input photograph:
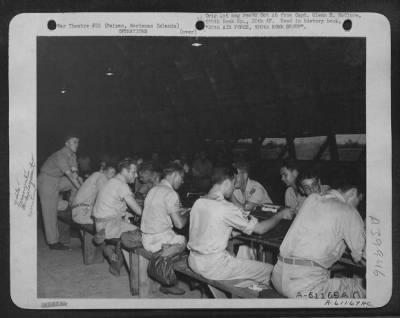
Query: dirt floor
[[62, 274]]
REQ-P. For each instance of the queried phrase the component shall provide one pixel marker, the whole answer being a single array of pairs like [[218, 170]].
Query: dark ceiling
[[165, 93]]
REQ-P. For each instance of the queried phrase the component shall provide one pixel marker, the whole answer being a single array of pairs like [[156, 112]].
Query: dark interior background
[[166, 95]]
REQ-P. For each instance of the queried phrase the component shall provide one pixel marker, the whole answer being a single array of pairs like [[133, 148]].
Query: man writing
[[324, 225]]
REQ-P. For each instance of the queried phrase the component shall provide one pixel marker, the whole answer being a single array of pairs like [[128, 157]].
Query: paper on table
[[270, 208], [253, 285]]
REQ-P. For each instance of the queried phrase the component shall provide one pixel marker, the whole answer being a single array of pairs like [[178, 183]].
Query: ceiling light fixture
[[196, 42], [63, 90], [109, 72]]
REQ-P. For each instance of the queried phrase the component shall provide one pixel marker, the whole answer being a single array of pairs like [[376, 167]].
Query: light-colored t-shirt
[[161, 201], [88, 191], [59, 163], [111, 199], [254, 193], [211, 224], [322, 228], [293, 199]]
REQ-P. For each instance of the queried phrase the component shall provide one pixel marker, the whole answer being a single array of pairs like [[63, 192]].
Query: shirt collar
[[120, 178], [334, 194], [67, 151], [215, 195], [166, 183]]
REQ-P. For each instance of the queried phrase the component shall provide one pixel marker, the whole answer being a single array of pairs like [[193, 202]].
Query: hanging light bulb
[[63, 90], [109, 72], [196, 42]]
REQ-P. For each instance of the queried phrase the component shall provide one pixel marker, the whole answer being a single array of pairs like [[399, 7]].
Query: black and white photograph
[[200, 160]]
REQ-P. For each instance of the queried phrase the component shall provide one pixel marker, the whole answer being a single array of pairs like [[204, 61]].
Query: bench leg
[[147, 286], [92, 254], [134, 273], [64, 231], [217, 293]]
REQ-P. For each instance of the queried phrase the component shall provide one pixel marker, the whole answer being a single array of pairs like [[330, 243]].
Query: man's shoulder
[[255, 184]]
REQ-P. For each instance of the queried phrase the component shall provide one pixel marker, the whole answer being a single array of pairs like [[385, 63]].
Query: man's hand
[[286, 214], [183, 211], [127, 215]]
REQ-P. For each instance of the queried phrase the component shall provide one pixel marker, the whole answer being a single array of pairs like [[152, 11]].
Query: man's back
[[90, 188], [160, 202], [211, 224], [320, 228], [110, 201]]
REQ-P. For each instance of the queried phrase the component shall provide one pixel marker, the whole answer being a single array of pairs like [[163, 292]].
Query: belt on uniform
[[298, 261], [78, 205], [106, 219]]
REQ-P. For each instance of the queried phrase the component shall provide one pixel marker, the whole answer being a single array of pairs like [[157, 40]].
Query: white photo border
[[24, 30]]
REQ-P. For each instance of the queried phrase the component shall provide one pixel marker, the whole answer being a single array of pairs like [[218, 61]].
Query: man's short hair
[[309, 173], [345, 183], [221, 174], [290, 164], [242, 166], [109, 166], [146, 166], [69, 136], [172, 167], [125, 164]]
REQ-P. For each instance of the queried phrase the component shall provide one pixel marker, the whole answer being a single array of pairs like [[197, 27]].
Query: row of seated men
[[326, 221]]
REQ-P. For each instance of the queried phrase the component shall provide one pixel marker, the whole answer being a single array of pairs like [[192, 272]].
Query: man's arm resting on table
[[133, 205], [266, 225], [178, 219]]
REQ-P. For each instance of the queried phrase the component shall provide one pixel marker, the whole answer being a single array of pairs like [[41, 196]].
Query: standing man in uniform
[[212, 220], [316, 240], [58, 174]]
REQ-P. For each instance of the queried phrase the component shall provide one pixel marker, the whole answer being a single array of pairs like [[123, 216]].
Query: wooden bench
[[143, 286], [139, 282], [92, 254]]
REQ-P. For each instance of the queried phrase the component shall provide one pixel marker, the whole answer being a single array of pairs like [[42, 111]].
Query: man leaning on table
[[211, 222], [317, 238], [248, 193]]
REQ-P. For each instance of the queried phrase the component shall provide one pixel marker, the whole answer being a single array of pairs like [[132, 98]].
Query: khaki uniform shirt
[[87, 193], [161, 201], [322, 228], [211, 224], [111, 199], [254, 193], [59, 163]]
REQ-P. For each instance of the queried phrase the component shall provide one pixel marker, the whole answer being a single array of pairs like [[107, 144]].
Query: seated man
[[309, 182], [248, 193], [82, 205], [324, 225], [212, 219], [148, 178], [109, 211], [162, 212], [293, 196]]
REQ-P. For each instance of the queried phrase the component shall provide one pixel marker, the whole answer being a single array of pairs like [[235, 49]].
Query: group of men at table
[[325, 220]]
